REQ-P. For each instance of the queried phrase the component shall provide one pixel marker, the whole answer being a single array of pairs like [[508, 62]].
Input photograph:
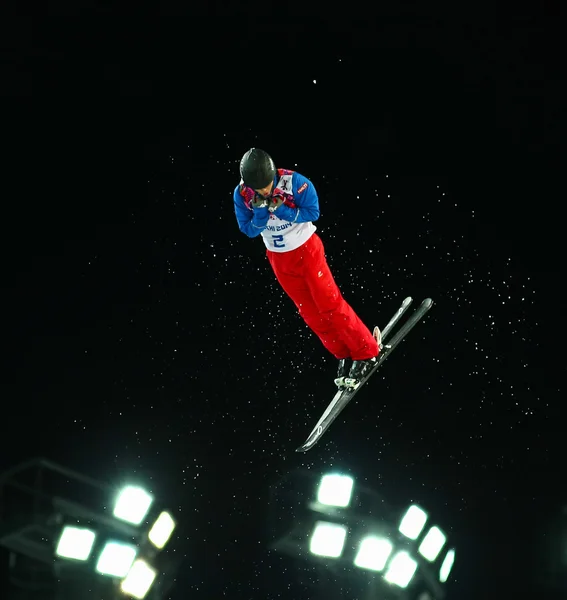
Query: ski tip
[[407, 301], [428, 302], [301, 449]]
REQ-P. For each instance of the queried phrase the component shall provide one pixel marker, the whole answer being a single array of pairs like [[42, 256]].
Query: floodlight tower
[[70, 536], [401, 552]]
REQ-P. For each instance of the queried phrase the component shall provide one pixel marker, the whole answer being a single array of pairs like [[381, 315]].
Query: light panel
[[328, 539], [132, 505], [373, 553], [401, 570], [446, 566], [116, 559], [335, 490], [161, 531], [432, 544], [75, 543], [139, 580], [413, 522]]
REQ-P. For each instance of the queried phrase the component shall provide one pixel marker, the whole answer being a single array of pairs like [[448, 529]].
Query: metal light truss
[[364, 514], [37, 500]]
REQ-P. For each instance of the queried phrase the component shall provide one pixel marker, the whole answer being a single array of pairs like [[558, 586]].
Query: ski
[[345, 395]]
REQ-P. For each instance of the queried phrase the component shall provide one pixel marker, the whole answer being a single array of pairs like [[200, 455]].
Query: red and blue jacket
[[291, 224]]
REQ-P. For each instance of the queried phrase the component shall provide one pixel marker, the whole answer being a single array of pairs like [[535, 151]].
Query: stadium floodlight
[[413, 522], [401, 570], [328, 539], [116, 559], [432, 544], [75, 543], [373, 553], [446, 566], [139, 580], [335, 490], [161, 530], [132, 505]]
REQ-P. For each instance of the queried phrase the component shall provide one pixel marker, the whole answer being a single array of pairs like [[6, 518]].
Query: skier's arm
[[306, 200], [251, 223]]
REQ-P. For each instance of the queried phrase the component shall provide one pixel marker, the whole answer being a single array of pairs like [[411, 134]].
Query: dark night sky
[[144, 333]]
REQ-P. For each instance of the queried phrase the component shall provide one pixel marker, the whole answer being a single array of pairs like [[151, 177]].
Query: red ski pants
[[306, 278]]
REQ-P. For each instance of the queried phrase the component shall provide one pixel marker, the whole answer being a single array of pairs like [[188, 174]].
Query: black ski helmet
[[257, 169]]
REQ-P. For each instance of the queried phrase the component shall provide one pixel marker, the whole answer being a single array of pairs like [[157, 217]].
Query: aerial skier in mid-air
[[281, 205]]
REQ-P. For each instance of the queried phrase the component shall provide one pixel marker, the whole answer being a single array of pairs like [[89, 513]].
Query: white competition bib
[[283, 236]]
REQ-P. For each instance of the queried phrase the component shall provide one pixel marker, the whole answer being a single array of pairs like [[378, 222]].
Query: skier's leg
[[287, 268], [358, 338]]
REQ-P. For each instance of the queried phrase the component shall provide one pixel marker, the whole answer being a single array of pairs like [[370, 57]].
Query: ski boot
[[360, 368], [343, 371]]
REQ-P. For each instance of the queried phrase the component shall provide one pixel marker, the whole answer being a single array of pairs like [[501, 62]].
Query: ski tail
[[409, 324], [397, 316]]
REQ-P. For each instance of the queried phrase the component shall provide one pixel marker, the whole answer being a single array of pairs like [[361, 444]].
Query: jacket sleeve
[[250, 222], [306, 201]]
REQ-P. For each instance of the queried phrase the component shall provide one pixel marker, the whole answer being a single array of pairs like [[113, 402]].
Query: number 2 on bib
[[278, 241]]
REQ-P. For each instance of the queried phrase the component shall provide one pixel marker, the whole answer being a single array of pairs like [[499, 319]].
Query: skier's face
[[266, 191]]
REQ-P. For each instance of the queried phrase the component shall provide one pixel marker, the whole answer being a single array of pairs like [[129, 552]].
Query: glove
[[259, 202], [275, 203], [261, 213]]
